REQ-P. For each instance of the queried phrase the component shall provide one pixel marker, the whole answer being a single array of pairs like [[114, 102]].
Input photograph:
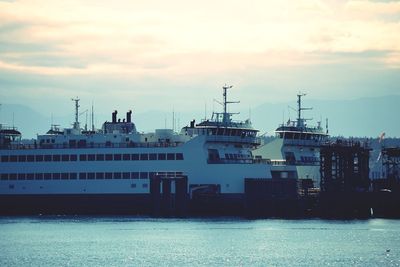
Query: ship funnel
[[129, 116], [114, 116]]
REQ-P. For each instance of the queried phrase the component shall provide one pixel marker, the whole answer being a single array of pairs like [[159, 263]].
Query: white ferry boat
[[73, 170], [296, 144]]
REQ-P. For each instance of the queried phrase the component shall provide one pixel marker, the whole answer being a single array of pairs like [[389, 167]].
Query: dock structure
[[344, 167], [345, 180], [390, 176], [391, 162], [386, 190]]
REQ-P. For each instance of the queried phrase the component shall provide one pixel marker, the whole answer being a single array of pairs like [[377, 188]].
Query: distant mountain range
[[364, 117]]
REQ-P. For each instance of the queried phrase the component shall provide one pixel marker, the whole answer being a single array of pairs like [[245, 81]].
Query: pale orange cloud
[[175, 38]]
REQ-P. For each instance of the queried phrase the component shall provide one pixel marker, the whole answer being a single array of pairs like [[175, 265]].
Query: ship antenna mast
[[226, 115], [76, 123], [92, 117], [327, 129], [300, 120]]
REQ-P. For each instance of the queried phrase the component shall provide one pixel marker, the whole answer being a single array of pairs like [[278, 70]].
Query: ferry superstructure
[[296, 144], [76, 170]]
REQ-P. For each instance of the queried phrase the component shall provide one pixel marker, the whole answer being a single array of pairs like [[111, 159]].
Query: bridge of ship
[[288, 132], [228, 134]]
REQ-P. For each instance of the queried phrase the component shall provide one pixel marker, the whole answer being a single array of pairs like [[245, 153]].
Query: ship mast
[[76, 123], [226, 115], [92, 118], [300, 120]]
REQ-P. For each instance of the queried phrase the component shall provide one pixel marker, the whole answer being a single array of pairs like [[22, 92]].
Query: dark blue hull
[[121, 204], [75, 204]]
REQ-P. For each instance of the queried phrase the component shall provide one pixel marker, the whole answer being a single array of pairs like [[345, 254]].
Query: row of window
[[75, 176], [144, 185], [232, 132], [92, 157], [309, 159], [302, 136], [237, 156]]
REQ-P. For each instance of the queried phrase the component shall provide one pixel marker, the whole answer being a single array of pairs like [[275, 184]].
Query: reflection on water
[[133, 241]]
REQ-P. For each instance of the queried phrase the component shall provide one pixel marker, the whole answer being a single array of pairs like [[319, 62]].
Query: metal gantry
[[344, 167]]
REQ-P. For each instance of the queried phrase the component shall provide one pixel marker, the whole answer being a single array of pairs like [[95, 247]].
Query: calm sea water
[[132, 241]]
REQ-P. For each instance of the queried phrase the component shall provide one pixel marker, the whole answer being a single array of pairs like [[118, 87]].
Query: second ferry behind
[[297, 144]]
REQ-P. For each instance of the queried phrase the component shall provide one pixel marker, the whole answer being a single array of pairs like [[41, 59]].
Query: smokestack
[[129, 116], [114, 116]]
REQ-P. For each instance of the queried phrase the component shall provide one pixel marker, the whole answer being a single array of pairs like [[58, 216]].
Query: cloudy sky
[[159, 55]]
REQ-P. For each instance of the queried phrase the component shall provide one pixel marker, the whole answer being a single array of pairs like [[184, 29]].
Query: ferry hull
[[121, 204], [75, 204]]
